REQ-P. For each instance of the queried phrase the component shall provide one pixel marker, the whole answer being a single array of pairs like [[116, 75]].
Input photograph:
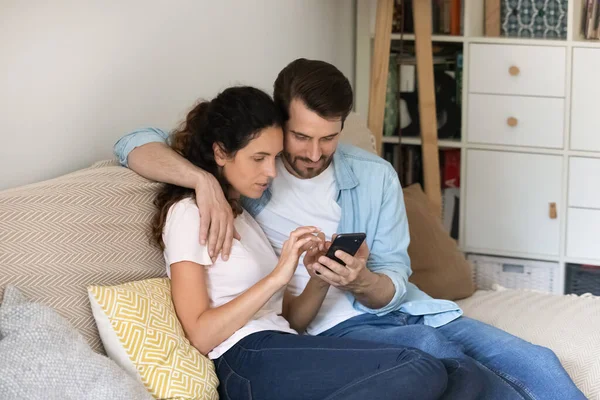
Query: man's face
[[309, 141]]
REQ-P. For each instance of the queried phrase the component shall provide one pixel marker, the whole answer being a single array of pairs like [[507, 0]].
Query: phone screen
[[348, 243]]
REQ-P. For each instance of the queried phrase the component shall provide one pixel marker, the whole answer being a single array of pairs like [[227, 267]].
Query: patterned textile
[[569, 325], [138, 320], [534, 18], [43, 357], [89, 227]]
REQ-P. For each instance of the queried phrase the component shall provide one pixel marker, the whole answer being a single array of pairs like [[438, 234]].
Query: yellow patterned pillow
[[140, 331]]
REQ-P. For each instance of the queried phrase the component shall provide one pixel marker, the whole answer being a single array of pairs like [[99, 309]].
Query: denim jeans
[[532, 372], [274, 365]]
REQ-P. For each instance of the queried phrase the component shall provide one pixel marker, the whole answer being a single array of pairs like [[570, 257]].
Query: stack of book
[[446, 17], [591, 19]]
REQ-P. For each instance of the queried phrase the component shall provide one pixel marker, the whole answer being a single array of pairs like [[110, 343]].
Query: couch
[[90, 227]]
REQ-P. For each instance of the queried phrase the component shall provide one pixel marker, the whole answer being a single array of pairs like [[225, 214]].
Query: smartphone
[[348, 243]]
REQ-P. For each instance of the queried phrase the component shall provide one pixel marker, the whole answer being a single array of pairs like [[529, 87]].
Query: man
[[340, 188]]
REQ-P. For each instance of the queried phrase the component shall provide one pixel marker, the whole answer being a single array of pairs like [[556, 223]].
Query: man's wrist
[[366, 283], [199, 177]]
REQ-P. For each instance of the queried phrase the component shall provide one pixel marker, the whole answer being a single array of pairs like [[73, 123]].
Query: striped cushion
[[87, 228]]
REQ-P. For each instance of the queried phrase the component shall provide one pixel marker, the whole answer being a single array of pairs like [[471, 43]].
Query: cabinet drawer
[[508, 202], [515, 120], [584, 182], [583, 231], [520, 70]]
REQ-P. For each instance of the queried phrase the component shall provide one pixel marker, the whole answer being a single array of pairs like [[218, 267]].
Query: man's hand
[[354, 277], [216, 217], [370, 289]]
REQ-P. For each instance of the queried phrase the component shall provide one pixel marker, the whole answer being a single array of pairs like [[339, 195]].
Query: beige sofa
[[90, 227]]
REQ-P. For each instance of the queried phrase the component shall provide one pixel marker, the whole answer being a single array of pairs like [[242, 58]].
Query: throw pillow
[[439, 268], [141, 332], [42, 356]]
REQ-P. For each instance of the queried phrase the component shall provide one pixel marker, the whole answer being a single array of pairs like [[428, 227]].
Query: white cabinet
[[585, 118], [509, 197]]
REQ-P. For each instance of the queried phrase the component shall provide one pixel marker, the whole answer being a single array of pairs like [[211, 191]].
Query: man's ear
[[220, 155]]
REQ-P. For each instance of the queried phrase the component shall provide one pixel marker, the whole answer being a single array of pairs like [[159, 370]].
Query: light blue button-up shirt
[[371, 201]]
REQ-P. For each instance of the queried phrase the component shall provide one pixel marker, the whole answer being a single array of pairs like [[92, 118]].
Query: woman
[[235, 311]]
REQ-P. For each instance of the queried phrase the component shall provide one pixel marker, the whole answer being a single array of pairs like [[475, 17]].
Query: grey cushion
[[43, 357]]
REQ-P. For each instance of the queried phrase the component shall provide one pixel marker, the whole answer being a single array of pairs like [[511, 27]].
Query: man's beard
[[307, 173]]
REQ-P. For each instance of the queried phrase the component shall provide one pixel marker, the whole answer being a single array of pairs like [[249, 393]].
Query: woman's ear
[[220, 156]]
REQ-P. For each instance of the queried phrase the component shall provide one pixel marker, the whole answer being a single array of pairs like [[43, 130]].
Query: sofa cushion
[[90, 227], [140, 330], [439, 268], [569, 325], [43, 357]]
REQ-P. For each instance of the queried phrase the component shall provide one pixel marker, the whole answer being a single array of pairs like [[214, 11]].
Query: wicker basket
[[515, 273]]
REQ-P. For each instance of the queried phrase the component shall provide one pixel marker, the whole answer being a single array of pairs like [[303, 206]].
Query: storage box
[[582, 279], [534, 19], [514, 273]]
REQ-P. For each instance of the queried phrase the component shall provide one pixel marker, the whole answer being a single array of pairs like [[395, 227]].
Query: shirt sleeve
[[137, 138], [181, 235], [389, 251]]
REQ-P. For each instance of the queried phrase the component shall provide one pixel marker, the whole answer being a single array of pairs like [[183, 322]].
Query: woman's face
[[253, 167]]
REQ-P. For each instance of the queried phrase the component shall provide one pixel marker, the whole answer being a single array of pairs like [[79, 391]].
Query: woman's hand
[[312, 256], [302, 239]]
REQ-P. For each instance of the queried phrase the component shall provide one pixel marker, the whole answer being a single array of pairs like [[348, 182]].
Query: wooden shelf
[[516, 41], [434, 38], [586, 43], [417, 141]]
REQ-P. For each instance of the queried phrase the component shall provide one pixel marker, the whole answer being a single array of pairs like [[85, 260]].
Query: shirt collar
[[344, 176]]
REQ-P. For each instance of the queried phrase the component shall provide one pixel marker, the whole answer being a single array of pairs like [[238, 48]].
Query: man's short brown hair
[[319, 85]]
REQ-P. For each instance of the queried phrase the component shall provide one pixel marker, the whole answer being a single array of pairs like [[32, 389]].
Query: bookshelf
[[500, 214]]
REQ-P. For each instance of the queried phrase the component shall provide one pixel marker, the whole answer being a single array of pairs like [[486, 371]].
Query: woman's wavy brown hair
[[232, 119]]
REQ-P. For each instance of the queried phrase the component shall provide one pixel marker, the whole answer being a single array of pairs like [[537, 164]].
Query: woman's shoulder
[[182, 211]]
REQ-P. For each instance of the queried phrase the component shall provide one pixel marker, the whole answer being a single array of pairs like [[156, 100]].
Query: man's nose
[[315, 152]]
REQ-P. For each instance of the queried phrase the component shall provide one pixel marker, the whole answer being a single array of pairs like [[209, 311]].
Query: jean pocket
[[232, 386]]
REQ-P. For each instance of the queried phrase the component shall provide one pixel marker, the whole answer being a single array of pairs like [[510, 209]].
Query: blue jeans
[[275, 365], [532, 372]]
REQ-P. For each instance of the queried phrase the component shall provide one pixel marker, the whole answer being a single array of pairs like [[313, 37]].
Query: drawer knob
[[553, 213], [514, 70], [512, 122]]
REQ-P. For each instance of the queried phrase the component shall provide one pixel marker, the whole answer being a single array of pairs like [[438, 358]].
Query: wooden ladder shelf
[[426, 89]]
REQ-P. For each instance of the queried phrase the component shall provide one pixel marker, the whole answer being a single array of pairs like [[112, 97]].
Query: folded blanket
[[43, 357]]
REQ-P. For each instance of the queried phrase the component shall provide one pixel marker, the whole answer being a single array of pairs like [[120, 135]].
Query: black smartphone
[[348, 243]]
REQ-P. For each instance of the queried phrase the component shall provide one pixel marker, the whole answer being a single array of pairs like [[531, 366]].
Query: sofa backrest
[[88, 227]]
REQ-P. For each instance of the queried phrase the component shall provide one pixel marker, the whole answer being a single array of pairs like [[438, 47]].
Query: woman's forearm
[[301, 310], [215, 325]]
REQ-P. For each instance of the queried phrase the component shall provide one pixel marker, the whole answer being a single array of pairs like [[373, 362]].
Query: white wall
[[76, 75]]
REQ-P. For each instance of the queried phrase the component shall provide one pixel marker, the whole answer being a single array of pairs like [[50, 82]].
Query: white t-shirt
[[251, 259], [299, 202]]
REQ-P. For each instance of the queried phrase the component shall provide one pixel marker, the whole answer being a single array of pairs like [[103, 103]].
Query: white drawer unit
[[515, 273], [584, 182], [517, 70], [583, 234], [509, 202], [585, 124], [516, 120]]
